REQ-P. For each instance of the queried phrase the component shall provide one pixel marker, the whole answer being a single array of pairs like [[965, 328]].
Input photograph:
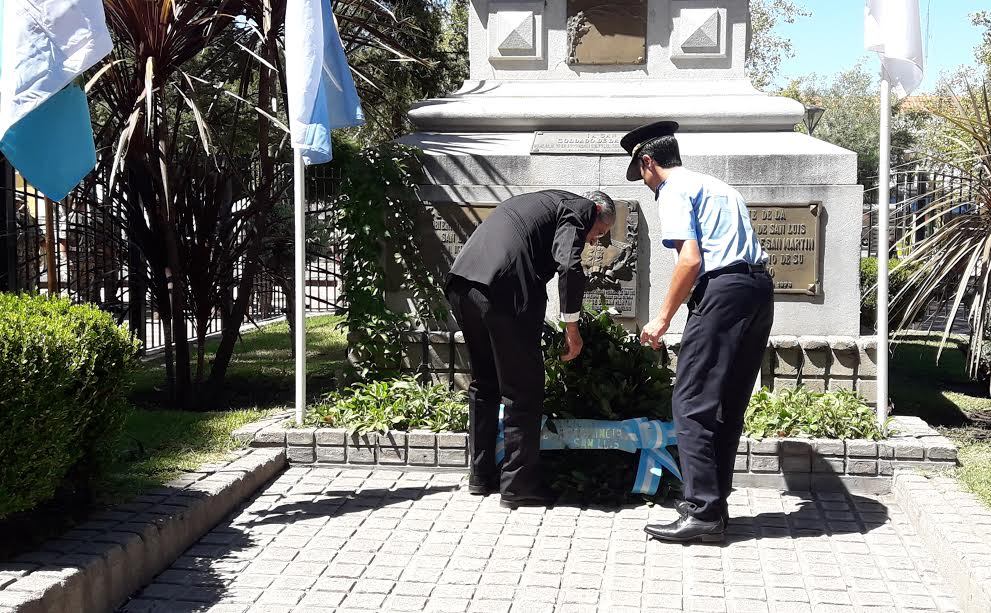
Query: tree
[[853, 105], [189, 111], [767, 47], [982, 19], [950, 266]]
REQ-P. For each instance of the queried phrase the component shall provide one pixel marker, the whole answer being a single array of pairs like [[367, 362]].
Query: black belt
[[737, 268]]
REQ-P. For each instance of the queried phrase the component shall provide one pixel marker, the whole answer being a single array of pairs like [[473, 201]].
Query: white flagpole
[[883, 198], [299, 225]]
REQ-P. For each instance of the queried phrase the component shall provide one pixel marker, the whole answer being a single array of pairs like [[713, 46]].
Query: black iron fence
[[913, 189], [79, 248]]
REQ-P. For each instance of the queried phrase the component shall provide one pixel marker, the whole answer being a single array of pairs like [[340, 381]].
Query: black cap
[[633, 139]]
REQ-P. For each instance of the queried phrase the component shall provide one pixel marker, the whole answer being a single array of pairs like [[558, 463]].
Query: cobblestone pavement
[[325, 539]]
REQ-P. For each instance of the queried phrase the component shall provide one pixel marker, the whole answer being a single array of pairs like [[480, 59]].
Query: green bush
[[614, 378], [803, 413], [397, 404], [868, 290], [63, 370]]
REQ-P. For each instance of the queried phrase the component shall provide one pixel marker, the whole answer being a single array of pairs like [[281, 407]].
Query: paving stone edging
[[956, 528], [97, 565], [857, 466]]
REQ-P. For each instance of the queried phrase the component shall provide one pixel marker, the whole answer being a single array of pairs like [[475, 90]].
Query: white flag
[[891, 28]]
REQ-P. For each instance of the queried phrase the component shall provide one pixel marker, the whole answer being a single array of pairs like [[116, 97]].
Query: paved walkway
[[325, 539]]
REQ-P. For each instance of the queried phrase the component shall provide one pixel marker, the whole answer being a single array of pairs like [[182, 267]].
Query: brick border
[[820, 363], [857, 466], [97, 565], [944, 516]]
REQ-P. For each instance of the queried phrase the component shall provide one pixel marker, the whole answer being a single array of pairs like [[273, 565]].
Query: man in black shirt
[[497, 291]]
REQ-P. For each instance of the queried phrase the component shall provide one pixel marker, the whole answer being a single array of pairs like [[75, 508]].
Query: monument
[[554, 85]]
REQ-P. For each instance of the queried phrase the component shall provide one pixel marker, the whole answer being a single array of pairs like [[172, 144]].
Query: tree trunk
[[233, 319]]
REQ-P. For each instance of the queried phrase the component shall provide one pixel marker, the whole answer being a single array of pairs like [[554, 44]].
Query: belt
[[737, 268]]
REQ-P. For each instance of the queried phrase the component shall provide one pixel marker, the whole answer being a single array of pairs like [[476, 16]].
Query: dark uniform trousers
[[507, 367], [729, 321]]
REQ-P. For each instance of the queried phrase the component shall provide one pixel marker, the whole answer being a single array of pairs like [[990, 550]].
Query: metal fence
[[913, 189], [79, 248]]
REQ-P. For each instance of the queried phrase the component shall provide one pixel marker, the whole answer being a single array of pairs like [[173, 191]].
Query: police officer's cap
[[635, 138]]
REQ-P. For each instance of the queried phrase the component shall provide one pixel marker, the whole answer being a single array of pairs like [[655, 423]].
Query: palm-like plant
[[191, 130], [951, 266]]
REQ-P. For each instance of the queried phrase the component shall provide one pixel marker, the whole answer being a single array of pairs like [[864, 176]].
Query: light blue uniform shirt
[[694, 206]]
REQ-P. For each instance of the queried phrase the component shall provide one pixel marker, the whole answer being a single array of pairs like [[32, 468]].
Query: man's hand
[[653, 331], [573, 340]]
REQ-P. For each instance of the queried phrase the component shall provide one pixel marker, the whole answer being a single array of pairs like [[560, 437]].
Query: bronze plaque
[[611, 263], [607, 33], [790, 236]]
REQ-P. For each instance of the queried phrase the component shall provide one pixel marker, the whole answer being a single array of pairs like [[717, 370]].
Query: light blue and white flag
[[45, 130], [321, 90]]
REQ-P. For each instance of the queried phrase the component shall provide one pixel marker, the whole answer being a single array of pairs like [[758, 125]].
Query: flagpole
[[883, 203], [299, 244]]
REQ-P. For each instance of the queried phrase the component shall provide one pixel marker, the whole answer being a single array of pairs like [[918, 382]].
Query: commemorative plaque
[[602, 143], [790, 235], [607, 33], [611, 263]]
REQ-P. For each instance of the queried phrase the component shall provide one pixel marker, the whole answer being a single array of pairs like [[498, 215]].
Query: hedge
[[868, 290], [63, 372]]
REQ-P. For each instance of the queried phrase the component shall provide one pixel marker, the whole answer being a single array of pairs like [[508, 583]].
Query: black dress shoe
[[685, 508], [540, 498], [483, 485], [689, 529]]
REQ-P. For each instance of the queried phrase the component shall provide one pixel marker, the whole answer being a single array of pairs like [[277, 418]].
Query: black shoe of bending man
[[540, 498], [688, 529], [685, 508], [483, 485]]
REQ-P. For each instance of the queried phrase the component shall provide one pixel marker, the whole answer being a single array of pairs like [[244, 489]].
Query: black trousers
[[507, 366], [729, 321]]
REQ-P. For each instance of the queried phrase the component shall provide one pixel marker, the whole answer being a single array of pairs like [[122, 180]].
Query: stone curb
[[946, 519], [97, 565], [857, 466]]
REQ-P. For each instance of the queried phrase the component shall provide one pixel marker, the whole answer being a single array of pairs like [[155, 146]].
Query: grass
[[943, 395], [158, 444], [260, 375]]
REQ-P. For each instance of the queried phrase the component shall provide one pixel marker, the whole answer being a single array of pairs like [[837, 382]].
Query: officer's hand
[[653, 331], [573, 340]]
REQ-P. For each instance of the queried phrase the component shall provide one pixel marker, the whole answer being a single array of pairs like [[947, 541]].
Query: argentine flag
[[321, 91], [45, 130]]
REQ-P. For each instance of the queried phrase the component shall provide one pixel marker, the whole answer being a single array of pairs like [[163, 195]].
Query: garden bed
[[796, 464]]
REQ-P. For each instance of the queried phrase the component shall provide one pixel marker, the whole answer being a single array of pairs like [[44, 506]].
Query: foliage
[[853, 106], [982, 19], [61, 396], [437, 34], [375, 213], [396, 404], [187, 111], [804, 413], [614, 378], [767, 47], [897, 276], [156, 446], [952, 262]]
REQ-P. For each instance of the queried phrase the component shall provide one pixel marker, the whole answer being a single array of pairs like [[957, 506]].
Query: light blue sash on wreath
[[649, 436]]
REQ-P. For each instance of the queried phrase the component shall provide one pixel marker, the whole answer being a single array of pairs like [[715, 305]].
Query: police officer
[[720, 268]]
